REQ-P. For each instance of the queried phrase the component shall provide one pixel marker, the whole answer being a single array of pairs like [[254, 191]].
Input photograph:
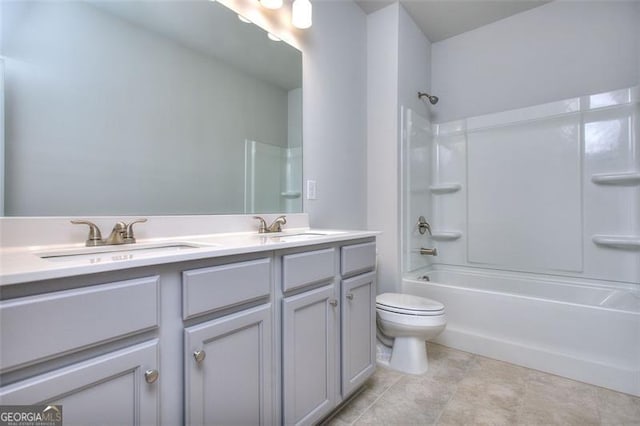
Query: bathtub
[[585, 330]]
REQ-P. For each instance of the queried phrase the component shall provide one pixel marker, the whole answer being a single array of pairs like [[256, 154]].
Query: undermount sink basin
[[303, 236], [117, 252], [307, 234]]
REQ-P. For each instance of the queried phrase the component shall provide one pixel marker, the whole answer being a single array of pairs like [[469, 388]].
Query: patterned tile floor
[[466, 389]]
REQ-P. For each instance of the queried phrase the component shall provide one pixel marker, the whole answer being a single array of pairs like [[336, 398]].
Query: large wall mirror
[[147, 108]]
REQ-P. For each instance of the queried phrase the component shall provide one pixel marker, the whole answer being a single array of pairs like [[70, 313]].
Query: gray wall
[[382, 141], [398, 65], [96, 122], [335, 99], [560, 50], [414, 75], [414, 65], [1, 133]]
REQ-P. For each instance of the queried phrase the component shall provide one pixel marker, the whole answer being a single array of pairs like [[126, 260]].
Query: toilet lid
[[407, 303]]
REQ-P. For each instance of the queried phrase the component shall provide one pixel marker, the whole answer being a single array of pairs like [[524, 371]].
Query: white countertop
[[27, 264]]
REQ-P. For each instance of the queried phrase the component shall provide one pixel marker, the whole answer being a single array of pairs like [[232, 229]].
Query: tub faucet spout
[[428, 251]]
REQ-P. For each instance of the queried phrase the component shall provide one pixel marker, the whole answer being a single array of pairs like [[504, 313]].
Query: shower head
[[432, 99]]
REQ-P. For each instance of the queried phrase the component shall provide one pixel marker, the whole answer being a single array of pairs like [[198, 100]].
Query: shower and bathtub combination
[[535, 215]]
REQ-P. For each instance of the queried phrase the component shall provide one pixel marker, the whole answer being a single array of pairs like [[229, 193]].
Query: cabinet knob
[[199, 356], [349, 296], [333, 302], [151, 376]]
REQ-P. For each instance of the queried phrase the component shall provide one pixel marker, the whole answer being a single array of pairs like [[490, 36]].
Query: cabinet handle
[[333, 302], [199, 356], [151, 376], [349, 296]]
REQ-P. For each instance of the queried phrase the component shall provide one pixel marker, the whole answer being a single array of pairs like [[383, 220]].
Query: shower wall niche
[[550, 189]]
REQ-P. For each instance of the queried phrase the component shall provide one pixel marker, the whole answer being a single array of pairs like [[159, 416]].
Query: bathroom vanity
[[230, 329]]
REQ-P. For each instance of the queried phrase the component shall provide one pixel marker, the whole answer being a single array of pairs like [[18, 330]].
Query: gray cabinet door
[[108, 389], [228, 370], [358, 331], [309, 353]]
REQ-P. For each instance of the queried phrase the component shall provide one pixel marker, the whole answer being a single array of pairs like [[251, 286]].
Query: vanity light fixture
[[271, 4], [301, 11], [273, 37], [301, 14], [243, 19]]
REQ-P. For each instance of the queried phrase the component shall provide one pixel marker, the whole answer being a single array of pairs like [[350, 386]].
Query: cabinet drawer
[[358, 258], [311, 267], [39, 327], [210, 289]]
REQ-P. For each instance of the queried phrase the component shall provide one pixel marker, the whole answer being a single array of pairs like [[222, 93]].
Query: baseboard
[[583, 370]]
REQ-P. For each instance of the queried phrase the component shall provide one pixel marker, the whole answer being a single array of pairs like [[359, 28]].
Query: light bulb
[[301, 14], [271, 4]]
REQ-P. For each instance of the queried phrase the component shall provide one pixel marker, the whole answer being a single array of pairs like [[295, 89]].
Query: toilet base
[[409, 355]]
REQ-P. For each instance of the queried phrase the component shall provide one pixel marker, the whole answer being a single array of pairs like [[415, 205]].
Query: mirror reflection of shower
[[432, 99], [270, 174]]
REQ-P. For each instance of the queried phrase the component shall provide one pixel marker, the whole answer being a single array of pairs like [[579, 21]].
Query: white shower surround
[[546, 189], [536, 217], [585, 331]]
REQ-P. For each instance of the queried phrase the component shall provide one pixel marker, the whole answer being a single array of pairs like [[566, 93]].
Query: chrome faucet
[[117, 234], [276, 226], [120, 234]]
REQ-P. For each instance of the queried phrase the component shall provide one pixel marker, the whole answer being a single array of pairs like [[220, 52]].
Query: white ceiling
[[441, 19]]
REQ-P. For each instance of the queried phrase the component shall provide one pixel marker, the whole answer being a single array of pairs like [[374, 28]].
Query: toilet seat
[[408, 304], [410, 323]]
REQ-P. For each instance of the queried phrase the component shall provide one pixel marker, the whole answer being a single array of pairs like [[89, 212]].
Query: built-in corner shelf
[[621, 179], [626, 242], [446, 235], [291, 195], [445, 188]]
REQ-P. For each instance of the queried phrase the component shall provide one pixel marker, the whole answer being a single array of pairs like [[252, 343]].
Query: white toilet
[[410, 321]]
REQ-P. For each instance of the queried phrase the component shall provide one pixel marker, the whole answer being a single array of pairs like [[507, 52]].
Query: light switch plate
[[311, 190]]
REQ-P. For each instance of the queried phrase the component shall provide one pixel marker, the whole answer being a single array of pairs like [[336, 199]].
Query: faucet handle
[[423, 225], [263, 225], [95, 237], [128, 233]]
